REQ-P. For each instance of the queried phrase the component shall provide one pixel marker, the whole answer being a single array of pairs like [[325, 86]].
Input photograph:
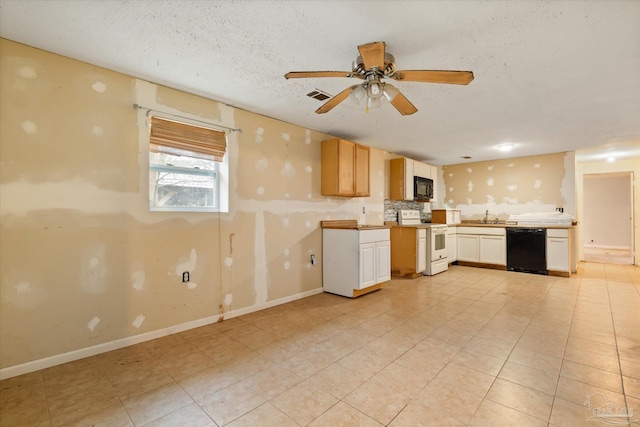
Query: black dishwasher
[[527, 250]]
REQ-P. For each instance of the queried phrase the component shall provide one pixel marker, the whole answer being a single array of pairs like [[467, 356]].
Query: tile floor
[[466, 347]]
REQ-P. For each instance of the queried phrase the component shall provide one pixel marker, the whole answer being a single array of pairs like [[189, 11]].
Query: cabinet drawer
[[557, 232], [368, 236], [487, 231]]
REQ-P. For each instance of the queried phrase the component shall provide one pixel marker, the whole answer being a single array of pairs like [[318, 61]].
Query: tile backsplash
[[391, 208]]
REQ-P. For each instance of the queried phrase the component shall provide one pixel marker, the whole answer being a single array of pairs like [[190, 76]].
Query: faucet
[[486, 216]]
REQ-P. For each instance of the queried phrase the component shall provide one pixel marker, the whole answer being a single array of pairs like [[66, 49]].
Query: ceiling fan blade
[[372, 55], [308, 74], [328, 106], [434, 76], [403, 105]]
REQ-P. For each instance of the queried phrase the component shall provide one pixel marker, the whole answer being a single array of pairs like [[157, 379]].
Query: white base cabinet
[[558, 251], [485, 245], [452, 244], [354, 261]]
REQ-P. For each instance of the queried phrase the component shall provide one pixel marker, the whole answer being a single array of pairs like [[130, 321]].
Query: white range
[[436, 240]]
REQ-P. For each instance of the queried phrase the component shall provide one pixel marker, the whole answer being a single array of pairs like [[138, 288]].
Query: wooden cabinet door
[[558, 254], [367, 265], [452, 248], [468, 249], [346, 164], [493, 250], [421, 250], [383, 261], [362, 170]]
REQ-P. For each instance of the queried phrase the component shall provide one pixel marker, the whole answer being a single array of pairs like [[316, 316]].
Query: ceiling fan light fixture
[[389, 92], [374, 89], [358, 94], [373, 103]]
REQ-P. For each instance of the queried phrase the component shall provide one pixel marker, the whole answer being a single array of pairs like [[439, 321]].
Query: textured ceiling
[[549, 76]]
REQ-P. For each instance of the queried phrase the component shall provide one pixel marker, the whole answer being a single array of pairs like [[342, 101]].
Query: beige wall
[[631, 165], [83, 261], [510, 186]]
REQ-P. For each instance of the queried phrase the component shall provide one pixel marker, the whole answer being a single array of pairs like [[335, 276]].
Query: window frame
[[219, 172]]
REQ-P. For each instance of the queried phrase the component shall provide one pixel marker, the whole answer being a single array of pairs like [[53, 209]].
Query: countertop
[[500, 224], [350, 224]]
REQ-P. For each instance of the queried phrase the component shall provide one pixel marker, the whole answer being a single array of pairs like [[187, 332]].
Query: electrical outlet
[[185, 277], [364, 210], [313, 259], [561, 210]]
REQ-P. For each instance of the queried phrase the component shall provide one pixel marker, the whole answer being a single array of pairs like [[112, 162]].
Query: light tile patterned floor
[[467, 347]]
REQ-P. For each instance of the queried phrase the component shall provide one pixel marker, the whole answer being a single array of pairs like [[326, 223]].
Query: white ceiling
[[550, 76]]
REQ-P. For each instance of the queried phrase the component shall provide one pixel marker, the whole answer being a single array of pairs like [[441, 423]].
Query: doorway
[[607, 235]]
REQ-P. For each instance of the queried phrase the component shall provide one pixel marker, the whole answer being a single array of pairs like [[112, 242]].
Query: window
[[185, 166]]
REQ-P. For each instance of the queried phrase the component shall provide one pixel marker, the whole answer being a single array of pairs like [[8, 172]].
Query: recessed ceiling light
[[505, 147]]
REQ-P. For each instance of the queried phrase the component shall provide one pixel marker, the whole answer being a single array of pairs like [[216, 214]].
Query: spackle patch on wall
[[94, 270], [192, 285], [93, 323], [228, 262], [99, 87], [188, 265], [308, 169], [138, 321], [287, 265], [23, 288], [260, 191], [469, 170], [286, 252], [512, 187], [537, 184], [286, 137], [490, 182], [98, 131], [228, 299], [536, 165], [470, 186], [285, 222], [29, 127], [259, 133], [262, 164], [137, 280], [288, 170], [307, 136], [307, 224], [27, 72]]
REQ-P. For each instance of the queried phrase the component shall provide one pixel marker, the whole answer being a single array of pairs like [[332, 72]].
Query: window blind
[[168, 136]]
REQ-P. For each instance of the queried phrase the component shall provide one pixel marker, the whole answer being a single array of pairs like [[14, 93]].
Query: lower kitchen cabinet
[[493, 249], [482, 245], [558, 252], [409, 253], [452, 244], [355, 261]]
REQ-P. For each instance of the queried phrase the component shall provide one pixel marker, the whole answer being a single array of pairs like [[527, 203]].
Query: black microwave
[[422, 188]]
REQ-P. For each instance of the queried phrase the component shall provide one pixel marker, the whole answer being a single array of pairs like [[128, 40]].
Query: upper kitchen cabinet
[[401, 179], [345, 168], [422, 169]]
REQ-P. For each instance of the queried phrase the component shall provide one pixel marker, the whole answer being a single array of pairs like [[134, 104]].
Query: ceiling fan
[[372, 66]]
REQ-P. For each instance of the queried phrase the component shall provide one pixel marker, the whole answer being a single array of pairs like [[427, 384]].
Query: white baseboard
[[58, 359]]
